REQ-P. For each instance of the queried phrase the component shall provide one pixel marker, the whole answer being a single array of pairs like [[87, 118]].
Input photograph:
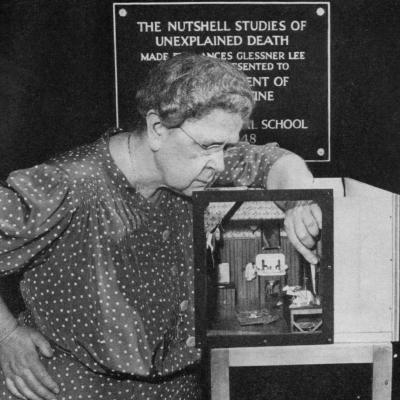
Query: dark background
[[56, 92]]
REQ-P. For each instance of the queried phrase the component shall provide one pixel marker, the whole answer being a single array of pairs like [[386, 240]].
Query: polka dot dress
[[108, 276]]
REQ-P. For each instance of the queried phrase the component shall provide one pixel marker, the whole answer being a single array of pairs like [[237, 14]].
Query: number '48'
[[249, 137]]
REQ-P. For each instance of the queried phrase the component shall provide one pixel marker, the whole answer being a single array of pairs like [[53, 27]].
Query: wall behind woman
[[366, 91], [56, 77]]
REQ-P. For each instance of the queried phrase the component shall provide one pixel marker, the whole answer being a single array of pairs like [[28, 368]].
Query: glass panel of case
[[252, 286]]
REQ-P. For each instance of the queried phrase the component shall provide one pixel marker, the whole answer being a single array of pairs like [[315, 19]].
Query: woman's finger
[[35, 386], [300, 229], [310, 222], [24, 389], [42, 344], [11, 387], [317, 213], [44, 378]]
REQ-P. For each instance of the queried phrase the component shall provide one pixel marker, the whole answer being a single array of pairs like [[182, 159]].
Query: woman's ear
[[156, 131]]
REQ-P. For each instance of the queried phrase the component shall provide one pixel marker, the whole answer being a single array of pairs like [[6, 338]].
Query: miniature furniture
[[296, 326]]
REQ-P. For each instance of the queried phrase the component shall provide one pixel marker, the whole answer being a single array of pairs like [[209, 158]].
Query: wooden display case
[[365, 295], [252, 288]]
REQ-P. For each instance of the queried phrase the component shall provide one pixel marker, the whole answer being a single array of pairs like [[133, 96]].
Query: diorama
[[252, 287]]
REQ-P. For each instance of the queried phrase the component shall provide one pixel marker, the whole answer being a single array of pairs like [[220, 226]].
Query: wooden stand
[[379, 354]]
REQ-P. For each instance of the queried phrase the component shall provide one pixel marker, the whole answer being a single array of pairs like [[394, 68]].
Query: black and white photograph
[[199, 200]]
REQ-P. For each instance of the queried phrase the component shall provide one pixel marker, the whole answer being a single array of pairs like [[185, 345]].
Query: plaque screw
[[320, 11], [321, 152], [122, 12]]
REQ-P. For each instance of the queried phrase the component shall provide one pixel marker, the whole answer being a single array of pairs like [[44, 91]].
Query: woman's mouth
[[208, 178]]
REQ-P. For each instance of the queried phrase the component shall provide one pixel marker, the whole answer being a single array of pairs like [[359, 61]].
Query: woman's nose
[[216, 161]]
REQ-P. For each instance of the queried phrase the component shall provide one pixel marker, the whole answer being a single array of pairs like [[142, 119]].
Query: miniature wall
[[242, 251]]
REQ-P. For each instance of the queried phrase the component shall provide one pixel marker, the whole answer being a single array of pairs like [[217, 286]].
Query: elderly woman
[[103, 235]]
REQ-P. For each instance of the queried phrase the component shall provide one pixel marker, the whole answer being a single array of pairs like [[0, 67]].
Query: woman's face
[[192, 156]]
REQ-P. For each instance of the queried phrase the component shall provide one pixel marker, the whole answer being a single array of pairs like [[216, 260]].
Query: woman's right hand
[[25, 375]]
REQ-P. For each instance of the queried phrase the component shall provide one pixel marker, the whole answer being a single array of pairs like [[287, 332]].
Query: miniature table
[[307, 310], [379, 354]]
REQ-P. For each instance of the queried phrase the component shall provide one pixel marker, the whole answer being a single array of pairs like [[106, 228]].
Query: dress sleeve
[[35, 209], [249, 165]]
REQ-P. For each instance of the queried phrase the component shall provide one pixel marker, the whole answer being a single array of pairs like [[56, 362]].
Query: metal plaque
[[283, 47]]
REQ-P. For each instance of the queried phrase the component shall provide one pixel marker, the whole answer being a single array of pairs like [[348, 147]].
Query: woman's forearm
[[290, 172]]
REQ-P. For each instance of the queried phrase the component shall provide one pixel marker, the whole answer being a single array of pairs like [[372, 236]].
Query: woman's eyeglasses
[[209, 149]]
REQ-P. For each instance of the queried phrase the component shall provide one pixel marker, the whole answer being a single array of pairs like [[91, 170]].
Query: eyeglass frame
[[209, 149]]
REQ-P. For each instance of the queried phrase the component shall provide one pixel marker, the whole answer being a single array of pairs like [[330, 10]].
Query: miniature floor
[[230, 325]]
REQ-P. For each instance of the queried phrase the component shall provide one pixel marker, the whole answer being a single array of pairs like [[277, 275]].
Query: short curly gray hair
[[191, 86]]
